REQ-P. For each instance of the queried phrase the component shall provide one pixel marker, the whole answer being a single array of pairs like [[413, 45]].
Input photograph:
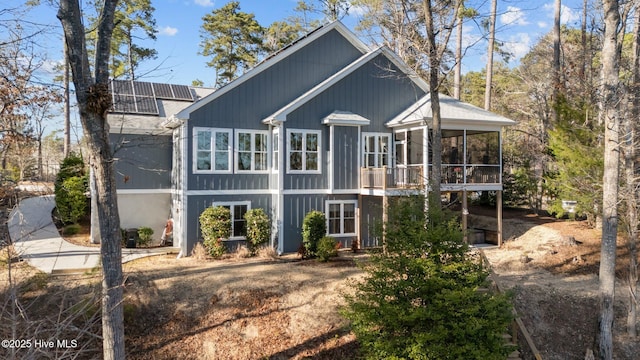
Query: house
[[143, 148], [325, 124]]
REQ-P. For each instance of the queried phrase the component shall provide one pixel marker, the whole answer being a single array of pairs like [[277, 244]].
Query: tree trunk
[[631, 196], [492, 38], [436, 131], [556, 58], [458, 68], [93, 102], [609, 113]]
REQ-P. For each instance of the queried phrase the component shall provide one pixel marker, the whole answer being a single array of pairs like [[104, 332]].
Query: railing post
[[384, 178]]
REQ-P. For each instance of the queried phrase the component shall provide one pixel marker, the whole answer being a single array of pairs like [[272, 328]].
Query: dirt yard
[[286, 308]]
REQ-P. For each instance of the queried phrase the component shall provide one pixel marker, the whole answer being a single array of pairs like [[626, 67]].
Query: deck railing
[[413, 177]]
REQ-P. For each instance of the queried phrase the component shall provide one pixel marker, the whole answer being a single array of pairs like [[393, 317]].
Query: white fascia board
[[345, 118], [337, 25], [420, 113]]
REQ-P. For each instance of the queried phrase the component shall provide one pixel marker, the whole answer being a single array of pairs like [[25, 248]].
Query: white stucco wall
[[151, 210]]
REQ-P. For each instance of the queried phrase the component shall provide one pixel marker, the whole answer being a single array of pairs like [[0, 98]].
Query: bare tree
[[440, 18], [492, 39], [631, 182], [610, 116], [93, 100]]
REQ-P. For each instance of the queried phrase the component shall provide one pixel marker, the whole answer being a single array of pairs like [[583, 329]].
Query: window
[[303, 150], [276, 147], [238, 223], [341, 217], [251, 150], [376, 149], [212, 148]]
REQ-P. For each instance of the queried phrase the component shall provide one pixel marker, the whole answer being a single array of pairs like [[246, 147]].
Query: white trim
[[144, 191], [231, 192], [390, 145], [345, 118], [342, 203], [309, 38], [231, 205], [321, 191], [455, 114], [319, 151], [236, 150], [330, 154], [280, 187], [212, 150], [276, 151]]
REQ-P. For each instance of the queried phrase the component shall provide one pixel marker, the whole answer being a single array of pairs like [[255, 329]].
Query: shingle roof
[[452, 112]]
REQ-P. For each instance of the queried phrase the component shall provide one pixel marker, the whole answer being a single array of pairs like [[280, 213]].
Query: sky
[[520, 24]]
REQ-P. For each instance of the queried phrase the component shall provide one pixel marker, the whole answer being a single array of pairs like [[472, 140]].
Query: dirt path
[[551, 267]]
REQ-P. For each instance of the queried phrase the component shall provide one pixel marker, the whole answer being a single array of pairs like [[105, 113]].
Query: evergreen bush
[[420, 299], [258, 229], [71, 201], [327, 248], [145, 234], [314, 227], [215, 225]]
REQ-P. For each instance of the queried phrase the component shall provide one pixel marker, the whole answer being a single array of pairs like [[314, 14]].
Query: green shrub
[[314, 227], [71, 229], [215, 225], [258, 229], [145, 234], [420, 299], [71, 201], [327, 248]]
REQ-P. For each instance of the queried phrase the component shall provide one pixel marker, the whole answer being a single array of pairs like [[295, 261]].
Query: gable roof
[[281, 115], [274, 59], [454, 113]]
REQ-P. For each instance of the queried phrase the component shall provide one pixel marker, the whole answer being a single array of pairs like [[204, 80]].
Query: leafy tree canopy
[[233, 41]]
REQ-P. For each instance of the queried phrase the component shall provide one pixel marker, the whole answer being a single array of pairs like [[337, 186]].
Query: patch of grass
[[72, 229], [38, 281]]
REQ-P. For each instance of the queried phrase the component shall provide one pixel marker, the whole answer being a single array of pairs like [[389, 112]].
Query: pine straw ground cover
[[285, 308]]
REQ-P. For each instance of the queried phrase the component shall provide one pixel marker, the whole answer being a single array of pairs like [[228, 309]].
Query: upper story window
[[303, 152], [251, 150], [212, 150], [375, 149]]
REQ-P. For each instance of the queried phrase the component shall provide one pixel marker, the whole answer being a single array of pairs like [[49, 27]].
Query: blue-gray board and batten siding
[[142, 161], [296, 207], [246, 105], [374, 91], [196, 204]]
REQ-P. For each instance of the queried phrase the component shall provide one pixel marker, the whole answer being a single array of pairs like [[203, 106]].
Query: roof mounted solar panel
[[146, 105], [182, 92], [123, 103], [140, 97], [121, 87], [143, 88], [163, 91]]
